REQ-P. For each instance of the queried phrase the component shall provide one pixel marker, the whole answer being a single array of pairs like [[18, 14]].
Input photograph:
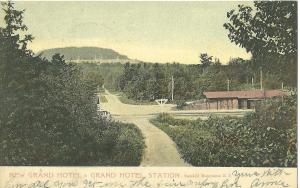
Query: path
[[160, 149]]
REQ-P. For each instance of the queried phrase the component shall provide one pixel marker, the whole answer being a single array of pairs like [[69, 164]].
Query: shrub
[[180, 104], [129, 146]]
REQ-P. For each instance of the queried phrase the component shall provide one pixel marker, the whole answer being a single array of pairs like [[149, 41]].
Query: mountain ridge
[[83, 53]]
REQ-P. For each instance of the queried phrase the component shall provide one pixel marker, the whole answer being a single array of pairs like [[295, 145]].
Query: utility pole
[[252, 82], [282, 91], [261, 79], [172, 88], [228, 82]]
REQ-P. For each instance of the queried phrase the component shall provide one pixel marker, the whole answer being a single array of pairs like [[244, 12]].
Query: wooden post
[[172, 87], [228, 84], [227, 104], [261, 79], [282, 91]]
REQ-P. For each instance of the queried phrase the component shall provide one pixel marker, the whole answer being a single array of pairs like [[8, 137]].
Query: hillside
[[84, 53]]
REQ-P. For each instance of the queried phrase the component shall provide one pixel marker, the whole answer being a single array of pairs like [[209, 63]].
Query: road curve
[[160, 149]]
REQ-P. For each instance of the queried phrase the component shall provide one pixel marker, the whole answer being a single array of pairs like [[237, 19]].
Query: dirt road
[[160, 149]]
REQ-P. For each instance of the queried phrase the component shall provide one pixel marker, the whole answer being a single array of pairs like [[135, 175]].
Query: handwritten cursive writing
[[263, 179]]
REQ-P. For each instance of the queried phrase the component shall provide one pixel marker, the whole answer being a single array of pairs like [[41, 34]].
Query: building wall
[[197, 105], [222, 104], [242, 103], [235, 104], [215, 104], [251, 104], [212, 104]]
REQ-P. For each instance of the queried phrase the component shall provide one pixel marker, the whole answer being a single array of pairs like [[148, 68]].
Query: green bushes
[[265, 138], [129, 147], [180, 104], [118, 145]]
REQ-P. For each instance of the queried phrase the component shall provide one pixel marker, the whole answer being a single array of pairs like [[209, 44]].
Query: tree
[[269, 33], [270, 29], [217, 61], [10, 38], [12, 46], [13, 51], [205, 60], [94, 78], [44, 104]]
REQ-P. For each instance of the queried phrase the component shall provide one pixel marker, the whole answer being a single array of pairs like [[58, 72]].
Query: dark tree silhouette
[[270, 29], [205, 60]]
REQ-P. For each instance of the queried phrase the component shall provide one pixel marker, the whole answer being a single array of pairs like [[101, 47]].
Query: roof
[[251, 94]]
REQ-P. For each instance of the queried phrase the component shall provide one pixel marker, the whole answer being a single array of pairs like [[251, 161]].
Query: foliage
[[270, 29], [265, 138], [94, 78], [144, 81], [130, 146], [269, 33], [109, 72], [180, 104], [120, 145], [48, 114], [205, 60], [124, 99], [147, 82]]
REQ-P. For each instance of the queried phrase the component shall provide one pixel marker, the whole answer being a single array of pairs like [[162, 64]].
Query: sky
[[148, 31]]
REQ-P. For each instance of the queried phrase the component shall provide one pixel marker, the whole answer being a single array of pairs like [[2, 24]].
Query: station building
[[218, 100]]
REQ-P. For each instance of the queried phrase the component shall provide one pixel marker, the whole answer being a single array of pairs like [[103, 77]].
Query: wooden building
[[237, 99]]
